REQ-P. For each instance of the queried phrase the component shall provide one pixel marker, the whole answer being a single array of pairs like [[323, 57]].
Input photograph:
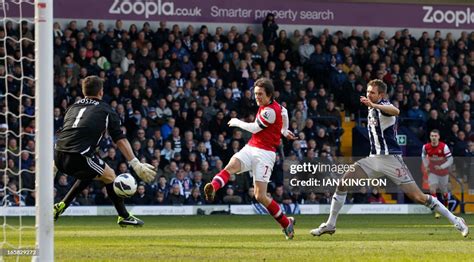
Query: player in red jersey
[[258, 156], [437, 159]]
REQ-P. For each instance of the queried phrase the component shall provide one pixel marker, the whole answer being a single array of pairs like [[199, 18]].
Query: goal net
[[25, 115]]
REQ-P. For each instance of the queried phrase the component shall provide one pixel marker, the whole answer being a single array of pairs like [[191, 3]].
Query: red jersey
[[436, 156], [270, 120]]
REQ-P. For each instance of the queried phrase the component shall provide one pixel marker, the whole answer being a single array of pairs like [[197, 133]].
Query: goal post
[[44, 129]]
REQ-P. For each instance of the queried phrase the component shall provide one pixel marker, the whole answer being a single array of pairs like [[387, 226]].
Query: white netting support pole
[[44, 129]]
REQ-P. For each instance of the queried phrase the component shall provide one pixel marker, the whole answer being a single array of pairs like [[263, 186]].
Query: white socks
[[437, 206], [338, 200]]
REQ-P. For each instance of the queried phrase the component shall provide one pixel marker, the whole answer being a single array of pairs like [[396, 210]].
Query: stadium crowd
[[176, 88]]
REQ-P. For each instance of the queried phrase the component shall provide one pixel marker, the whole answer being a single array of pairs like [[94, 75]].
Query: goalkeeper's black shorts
[[79, 166]]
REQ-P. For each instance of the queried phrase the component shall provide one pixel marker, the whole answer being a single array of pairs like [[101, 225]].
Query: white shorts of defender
[[440, 181], [258, 161], [392, 166]]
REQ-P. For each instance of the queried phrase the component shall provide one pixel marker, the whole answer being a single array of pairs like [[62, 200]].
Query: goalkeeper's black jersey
[[85, 123]]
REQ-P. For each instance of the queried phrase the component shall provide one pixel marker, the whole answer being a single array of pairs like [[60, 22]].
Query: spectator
[[434, 123], [311, 199], [249, 196], [269, 29], [283, 43], [118, 55], [167, 127], [375, 197], [338, 79], [183, 181], [13, 197], [141, 198], [62, 186], [360, 197], [30, 199], [278, 195], [416, 119], [85, 199], [288, 207], [460, 145], [333, 114], [325, 198], [175, 197], [159, 199], [195, 197], [102, 198], [230, 197], [305, 49], [198, 180]]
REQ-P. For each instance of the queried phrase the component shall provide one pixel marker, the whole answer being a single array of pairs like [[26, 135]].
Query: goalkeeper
[[85, 123]]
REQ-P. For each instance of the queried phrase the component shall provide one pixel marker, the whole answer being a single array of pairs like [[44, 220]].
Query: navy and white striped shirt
[[382, 132]]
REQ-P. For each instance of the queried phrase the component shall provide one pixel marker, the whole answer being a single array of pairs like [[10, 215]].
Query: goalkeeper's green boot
[[58, 209], [130, 221]]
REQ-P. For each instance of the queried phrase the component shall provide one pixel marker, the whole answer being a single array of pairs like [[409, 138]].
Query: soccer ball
[[125, 185]]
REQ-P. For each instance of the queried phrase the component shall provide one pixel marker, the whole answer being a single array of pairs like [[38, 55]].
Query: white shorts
[[392, 166], [258, 161], [440, 181]]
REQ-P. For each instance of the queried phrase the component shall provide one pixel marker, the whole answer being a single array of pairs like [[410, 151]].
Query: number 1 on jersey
[[78, 117]]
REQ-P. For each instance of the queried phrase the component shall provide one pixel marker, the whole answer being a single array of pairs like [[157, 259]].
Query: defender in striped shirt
[[385, 159], [382, 128]]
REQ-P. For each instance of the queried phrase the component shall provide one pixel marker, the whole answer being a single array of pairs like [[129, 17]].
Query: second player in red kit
[[258, 156]]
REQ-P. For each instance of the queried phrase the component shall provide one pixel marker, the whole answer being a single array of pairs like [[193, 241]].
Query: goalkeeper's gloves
[[145, 172]]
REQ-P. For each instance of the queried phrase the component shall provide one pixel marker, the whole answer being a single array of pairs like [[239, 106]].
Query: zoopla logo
[[139, 8], [150, 8], [458, 17]]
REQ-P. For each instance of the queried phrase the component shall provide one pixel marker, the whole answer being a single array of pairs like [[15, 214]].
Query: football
[[125, 185]]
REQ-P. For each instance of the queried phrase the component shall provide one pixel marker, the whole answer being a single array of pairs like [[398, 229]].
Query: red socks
[[275, 210], [220, 179]]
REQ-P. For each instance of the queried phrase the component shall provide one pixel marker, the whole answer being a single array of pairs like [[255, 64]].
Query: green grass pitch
[[254, 238]]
